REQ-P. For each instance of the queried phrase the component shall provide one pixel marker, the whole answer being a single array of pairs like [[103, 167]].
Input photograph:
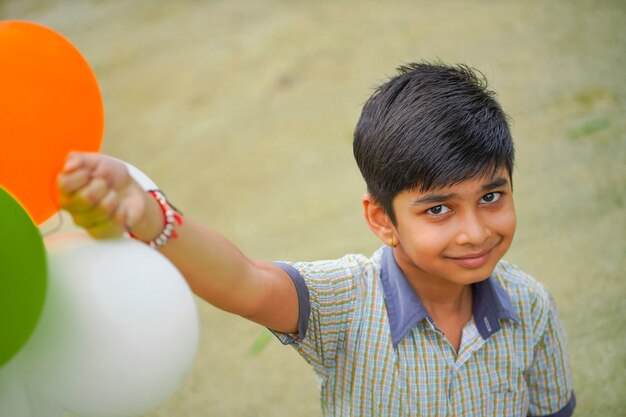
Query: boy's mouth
[[473, 260]]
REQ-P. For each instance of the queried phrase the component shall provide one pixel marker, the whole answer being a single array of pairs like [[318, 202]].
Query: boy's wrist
[[165, 215], [150, 225]]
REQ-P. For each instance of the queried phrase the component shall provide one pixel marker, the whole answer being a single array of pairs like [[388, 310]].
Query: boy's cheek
[[511, 220], [506, 219], [506, 228]]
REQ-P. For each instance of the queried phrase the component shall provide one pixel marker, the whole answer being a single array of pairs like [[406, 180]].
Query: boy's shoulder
[[353, 265]]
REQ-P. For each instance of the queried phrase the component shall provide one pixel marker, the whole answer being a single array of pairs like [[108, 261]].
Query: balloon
[[22, 276], [144, 181], [16, 399], [13, 395], [50, 104], [119, 329], [41, 407]]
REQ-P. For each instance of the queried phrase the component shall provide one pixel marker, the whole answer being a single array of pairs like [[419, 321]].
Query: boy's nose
[[473, 230]]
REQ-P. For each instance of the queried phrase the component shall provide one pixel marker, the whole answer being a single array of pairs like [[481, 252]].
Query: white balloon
[[13, 397], [17, 399], [144, 181], [42, 407], [13, 394], [119, 330]]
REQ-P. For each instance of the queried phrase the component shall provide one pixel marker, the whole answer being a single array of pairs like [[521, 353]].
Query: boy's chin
[[471, 276]]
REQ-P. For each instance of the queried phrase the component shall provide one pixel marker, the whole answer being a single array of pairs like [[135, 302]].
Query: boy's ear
[[378, 220]]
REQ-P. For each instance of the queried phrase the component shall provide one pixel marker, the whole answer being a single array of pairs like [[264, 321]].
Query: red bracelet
[[171, 218]]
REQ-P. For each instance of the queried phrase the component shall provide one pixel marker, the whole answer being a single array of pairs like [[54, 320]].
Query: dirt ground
[[243, 111]]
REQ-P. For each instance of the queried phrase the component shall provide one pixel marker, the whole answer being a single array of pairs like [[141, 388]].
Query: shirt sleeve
[[549, 379], [326, 291]]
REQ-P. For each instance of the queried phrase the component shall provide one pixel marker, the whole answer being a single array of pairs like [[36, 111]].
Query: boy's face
[[456, 234]]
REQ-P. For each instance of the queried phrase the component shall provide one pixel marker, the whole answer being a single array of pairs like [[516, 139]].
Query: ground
[[243, 111]]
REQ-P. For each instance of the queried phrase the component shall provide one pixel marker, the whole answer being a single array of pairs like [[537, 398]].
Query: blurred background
[[243, 113]]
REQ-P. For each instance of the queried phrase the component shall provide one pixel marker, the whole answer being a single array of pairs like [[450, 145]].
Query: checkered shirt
[[378, 352]]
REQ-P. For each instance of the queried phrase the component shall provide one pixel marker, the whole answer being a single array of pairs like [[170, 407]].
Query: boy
[[434, 323]]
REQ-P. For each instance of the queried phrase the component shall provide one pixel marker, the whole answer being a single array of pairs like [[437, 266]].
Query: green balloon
[[22, 276]]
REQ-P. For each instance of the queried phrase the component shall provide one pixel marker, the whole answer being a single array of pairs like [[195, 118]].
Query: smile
[[472, 260]]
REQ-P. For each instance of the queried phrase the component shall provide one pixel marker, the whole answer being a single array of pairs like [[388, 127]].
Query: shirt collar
[[490, 302]]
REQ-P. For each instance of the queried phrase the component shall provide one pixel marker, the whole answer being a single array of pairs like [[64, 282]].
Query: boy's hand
[[102, 197]]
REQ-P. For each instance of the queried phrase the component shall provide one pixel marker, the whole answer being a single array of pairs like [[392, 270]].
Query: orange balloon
[[50, 104]]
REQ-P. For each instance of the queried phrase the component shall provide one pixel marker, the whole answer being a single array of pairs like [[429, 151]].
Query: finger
[[121, 215], [107, 230], [115, 172], [111, 169], [110, 203], [73, 161], [88, 197], [98, 165], [135, 203], [104, 212], [88, 160], [70, 182]]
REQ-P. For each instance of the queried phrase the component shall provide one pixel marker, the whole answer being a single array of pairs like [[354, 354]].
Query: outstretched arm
[[105, 200]]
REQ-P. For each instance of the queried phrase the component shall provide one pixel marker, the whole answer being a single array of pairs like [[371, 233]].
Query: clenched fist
[[104, 199]]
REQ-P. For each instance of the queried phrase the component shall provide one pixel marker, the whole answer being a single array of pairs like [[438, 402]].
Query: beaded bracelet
[[171, 218]]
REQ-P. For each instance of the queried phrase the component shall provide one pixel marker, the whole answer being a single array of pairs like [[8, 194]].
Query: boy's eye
[[438, 210], [490, 197]]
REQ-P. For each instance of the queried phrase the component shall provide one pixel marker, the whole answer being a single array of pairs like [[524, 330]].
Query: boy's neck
[[449, 305], [443, 298], [445, 301]]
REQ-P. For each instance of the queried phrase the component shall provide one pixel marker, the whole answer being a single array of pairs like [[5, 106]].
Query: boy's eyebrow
[[434, 198], [496, 183], [441, 198]]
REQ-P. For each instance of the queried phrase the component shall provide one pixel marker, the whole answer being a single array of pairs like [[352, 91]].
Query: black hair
[[429, 127]]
